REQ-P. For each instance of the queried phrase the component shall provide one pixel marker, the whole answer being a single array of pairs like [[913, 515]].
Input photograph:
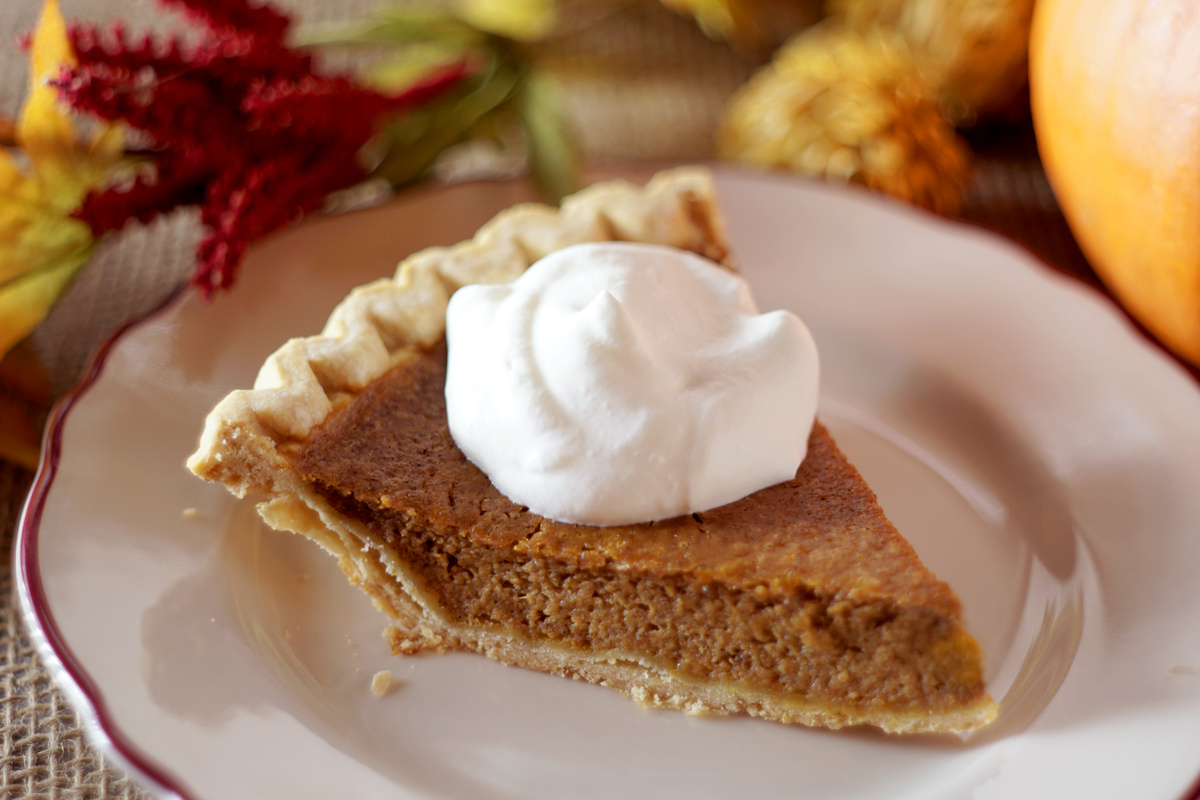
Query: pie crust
[[254, 440]]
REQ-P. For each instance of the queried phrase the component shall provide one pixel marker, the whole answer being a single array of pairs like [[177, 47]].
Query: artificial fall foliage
[[874, 92], [242, 124], [974, 53], [238, 123], [25, 396], [853, 107], [519, 20], [41, 245], [504, 92], [752, 27]]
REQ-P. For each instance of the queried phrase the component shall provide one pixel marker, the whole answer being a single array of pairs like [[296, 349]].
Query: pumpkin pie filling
[[802, 589]]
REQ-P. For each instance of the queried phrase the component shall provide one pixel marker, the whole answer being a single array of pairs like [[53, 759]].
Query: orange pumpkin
[[1115, 90]]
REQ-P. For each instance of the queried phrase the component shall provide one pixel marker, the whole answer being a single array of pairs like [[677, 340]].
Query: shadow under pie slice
[[799, 603]]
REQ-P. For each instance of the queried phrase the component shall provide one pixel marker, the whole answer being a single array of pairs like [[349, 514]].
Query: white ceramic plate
[[1041, 456]]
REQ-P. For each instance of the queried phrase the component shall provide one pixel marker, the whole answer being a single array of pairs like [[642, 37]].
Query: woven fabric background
[[642, 84]]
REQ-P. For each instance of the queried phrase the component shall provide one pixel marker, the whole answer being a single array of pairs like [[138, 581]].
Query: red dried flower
[[178, 180], [262, 21], [238, 123]]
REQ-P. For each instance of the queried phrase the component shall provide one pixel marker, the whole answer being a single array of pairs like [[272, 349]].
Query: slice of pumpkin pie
[[798, 602]]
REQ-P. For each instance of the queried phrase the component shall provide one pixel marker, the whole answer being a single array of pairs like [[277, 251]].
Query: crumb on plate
[[381, 682]]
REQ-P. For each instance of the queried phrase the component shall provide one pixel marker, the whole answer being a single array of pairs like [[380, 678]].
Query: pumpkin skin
[[1115, 94]]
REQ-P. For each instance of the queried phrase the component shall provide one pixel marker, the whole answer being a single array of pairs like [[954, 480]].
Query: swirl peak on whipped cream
[[616, 383]]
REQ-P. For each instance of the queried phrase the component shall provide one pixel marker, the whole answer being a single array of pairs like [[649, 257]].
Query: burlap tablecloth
[[652, 88]]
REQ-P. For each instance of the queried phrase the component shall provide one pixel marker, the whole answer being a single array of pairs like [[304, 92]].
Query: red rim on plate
[[50, 643]]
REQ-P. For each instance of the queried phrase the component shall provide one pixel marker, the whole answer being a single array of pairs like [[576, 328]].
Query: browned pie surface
[[823, 529], [803, 587]]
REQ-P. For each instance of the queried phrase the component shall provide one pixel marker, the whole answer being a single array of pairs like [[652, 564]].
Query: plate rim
[[86, 697], [65, 668]]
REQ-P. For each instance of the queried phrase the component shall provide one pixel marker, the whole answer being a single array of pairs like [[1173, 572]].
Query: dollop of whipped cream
[[617, 383]]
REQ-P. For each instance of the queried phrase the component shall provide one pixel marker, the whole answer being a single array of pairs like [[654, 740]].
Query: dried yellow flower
[[974, 51], [850, 106]]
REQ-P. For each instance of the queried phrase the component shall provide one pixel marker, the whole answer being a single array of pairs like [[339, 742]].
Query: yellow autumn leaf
[[32, 236], [23, 375], [42, 246], [43, 130], [19, 434], [25, 301], [66, 167], [522, 20]]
